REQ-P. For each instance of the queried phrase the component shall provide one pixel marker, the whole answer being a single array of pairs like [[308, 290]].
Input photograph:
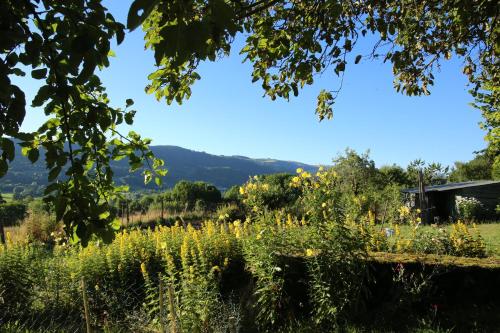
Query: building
[[440, 201]]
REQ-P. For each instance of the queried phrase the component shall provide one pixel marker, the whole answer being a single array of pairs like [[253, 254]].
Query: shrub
[[12, 213], [270, 192], [42, 227], [468, 209], [230, 212], [16, 279], [466, 242], [233, 194], [188, 192]]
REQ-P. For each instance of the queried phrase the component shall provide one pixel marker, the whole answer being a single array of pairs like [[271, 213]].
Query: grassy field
[[7, 197], [489, 231]]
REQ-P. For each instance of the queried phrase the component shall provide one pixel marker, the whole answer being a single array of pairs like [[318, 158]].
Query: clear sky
[[227, 114]]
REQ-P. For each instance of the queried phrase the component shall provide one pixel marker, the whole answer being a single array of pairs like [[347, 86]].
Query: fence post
[[86, 306], [162, 305], [2, 233], [173, 315], [162, 209], [233, 326]]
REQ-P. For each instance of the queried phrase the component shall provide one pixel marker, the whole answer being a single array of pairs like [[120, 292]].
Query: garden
[[310, 255]]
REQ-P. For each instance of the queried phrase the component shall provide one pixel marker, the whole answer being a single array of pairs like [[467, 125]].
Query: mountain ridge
[[223, 171]]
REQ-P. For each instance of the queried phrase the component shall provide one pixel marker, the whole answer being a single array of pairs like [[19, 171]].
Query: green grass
[[7, 197]]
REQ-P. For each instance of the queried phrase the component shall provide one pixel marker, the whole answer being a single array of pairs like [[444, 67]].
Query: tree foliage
[[64, 43], [476, 169], [188, 193], [433, 173], [12, 213], [290, 42]]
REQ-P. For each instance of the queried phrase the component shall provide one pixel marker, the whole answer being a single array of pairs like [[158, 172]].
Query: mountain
[[182, 164]]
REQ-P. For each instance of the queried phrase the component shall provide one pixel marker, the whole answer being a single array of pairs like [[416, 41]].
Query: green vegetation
[[307, 252], [490, 233], [287, 42], [296, 253], [6, 197]]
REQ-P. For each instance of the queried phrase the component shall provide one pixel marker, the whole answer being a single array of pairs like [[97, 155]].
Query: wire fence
[[102, 306], [84, 306]]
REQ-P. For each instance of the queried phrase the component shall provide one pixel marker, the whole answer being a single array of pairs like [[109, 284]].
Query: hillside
[[222, 171]]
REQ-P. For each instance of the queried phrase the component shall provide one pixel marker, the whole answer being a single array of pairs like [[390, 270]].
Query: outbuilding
[[440, 201]]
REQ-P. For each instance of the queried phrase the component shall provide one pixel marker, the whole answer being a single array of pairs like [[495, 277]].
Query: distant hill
[[182, 164]]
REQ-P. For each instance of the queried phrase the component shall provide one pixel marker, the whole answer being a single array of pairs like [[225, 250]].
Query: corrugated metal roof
[[452, 186]]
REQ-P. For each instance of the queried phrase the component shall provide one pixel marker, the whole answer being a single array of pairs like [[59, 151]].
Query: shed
[[441, 199]]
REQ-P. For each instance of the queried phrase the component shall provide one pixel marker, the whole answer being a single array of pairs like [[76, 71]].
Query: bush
[[270, 192], [461, 241], [188, 192], [230, 212], [42, 227], [233, 194], [468, 209], [16, 279], [12, 213]]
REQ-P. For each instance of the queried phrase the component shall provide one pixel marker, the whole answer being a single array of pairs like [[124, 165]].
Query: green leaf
[[129, 102], [129, 117], [158, 181], [358, 59], [39, 73], [139, 11], [8, 150], [3, 167], [54, 173], [42, 96], [33, 155], [104, 215]]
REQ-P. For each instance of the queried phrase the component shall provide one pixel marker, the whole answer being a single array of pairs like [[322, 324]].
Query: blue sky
[[227, 114]]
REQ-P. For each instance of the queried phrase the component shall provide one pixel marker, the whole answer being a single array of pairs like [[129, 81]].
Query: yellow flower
[[300, 170], [143, 268], [242, 190], [311, 252], [323, 204]]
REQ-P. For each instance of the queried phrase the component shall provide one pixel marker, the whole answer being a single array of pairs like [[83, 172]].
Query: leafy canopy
[[62, 44], [290, 42]]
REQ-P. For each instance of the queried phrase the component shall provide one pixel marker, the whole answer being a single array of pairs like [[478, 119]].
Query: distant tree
[[434, 173], [478, 168], [188, 192], [12, 213], [356, 172], [17, 192], [394, 174], [270, 192]]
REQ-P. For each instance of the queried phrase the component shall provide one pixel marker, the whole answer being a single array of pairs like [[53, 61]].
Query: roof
[[452, 186]]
